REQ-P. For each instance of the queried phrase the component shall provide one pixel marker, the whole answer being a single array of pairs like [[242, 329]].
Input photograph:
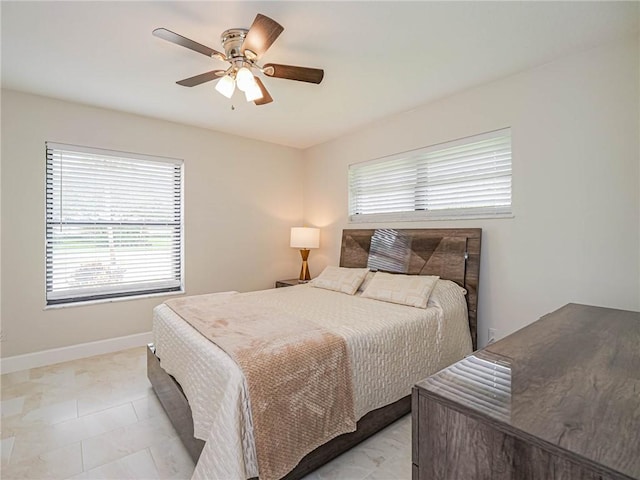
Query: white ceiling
[[379, 58]]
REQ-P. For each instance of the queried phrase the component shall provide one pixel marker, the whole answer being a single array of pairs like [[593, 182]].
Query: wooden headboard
[[451, 253]]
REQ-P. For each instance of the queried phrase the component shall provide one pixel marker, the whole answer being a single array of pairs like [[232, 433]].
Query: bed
[[177, 357]]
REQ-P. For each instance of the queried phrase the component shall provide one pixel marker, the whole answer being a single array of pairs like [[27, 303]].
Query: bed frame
[[452, 254]]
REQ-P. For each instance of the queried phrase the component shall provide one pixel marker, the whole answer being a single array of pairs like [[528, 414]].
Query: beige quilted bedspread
[[289, 365], [390, 347]]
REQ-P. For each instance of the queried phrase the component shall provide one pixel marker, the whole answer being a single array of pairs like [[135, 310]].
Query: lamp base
[[304, 271]]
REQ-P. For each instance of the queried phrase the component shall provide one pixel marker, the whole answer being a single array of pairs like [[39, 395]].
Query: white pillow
[[411, 290], [340, 279]]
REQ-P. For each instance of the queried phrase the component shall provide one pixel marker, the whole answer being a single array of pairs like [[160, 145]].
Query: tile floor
[[98, 418]]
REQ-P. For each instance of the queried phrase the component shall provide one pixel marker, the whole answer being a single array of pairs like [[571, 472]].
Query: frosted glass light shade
[[305, 237], [226, 85], [244, 79], [253, 93]]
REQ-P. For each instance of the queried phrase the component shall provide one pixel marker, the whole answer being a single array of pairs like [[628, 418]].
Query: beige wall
[[575, 235], [239, 205]]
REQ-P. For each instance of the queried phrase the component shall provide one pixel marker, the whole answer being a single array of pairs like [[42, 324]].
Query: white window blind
[[470, 177], [114, 224]]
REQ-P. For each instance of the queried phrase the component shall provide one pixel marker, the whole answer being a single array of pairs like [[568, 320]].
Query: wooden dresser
[[559, 399]]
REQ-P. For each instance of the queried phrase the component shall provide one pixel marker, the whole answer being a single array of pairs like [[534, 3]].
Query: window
[[470, 177], [114, 224]]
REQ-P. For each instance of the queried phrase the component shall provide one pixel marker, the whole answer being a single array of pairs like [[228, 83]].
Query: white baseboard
[[73, 352]]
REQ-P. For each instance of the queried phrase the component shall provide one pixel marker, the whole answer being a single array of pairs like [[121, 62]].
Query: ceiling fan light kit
[[244, 79], [242, 49], [253, 92], [226, 86]]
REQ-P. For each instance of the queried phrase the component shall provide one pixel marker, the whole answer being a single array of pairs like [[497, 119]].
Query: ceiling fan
[[242, 49]]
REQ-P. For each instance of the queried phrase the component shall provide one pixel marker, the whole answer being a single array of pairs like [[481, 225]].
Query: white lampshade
[[226, 85], [305, 237], [244, 79], [253, 93]]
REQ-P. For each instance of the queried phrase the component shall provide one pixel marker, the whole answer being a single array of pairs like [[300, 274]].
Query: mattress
[[390, 346]]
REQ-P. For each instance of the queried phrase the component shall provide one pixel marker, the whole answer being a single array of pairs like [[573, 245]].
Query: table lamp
[[305, 238]]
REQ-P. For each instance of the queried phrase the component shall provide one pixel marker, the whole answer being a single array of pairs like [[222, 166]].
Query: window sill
[[111, 300], [412, 217]]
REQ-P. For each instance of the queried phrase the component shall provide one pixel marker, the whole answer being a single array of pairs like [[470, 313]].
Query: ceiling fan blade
[[186, 42], [266, 98], [202, 78], [261, 35], [301, 74]]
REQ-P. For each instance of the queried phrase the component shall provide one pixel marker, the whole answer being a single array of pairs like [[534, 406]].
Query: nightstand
[[287, 283]]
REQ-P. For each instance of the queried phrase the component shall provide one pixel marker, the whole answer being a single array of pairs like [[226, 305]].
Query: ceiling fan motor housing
[[232, 40]]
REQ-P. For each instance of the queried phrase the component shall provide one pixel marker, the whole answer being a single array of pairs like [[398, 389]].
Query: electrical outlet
[[491, 336]]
